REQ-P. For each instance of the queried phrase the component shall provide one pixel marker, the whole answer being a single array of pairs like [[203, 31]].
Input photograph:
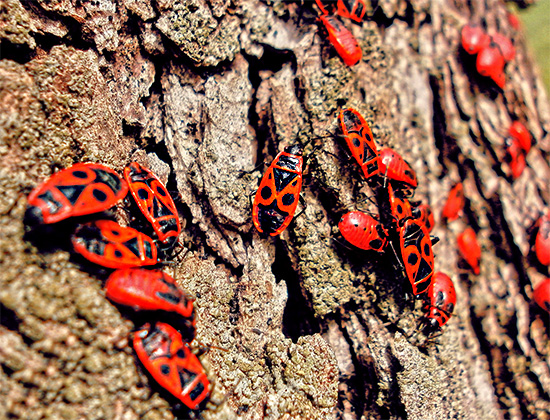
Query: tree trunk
[[300, 326]]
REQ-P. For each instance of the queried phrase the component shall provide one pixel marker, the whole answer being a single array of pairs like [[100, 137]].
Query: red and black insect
[[400, 208], [490, 63], [342, 40], [515, 156], [469, 248], [393, 166], [542, 240], [154, 201], [360, 141], [541, 294], [148, 290], [171, 363], [441, 302], [417, 255], [455, 203], [423, 213], [82, 189], [363, 231], [351, 9], [106, 243], [279, 192], [505, 45], [474, 38], [518, 131]]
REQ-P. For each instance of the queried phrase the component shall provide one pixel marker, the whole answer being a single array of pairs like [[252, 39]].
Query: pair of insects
[[493, 52], [88, 188]]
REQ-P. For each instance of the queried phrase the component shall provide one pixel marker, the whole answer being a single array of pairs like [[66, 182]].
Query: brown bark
[[203, 91]]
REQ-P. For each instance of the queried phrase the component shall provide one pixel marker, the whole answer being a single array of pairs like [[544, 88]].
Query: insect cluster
[[89, 188]]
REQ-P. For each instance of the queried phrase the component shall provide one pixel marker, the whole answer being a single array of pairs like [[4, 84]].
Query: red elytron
[[474, 38], [342, 40], [515, 157], [82, 189], [171, 363], [106, 243], [352, 9], [363, 231], [417, 255], [279, 192], [541, 294], [518, 131], [360, 141], [155, 203], [506, 47], [148, 290], [423, 213], [393, 166], [542, 240], [400, 207], [469, 248], [455, 203], [490, 62], [441, 303]]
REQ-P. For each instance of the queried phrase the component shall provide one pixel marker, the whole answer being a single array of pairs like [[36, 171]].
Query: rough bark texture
[[303, 328]]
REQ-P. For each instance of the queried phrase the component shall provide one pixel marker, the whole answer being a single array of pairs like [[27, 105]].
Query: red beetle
[[441, 302], [154, 201], [82, 189], [518, 131], [171, 363], [363, 231], [515, 157], [542, 240], [417, 255], [455, 203], [505, 45], [474, 38], [396, 168], [106, 243], [541, 294], [423, 213], [148, 290], [279, 192], [342, 40], [469, 248], [490, 61], [360, 141]]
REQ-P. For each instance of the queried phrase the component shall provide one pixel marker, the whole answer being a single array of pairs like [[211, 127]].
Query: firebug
[[417, 255], [148, 290], [82, 189], [400, 208], [171, 363], [515, 157], [363, 231], [505, 45], [541, 294], [360, 141], [279, 192], [474, 38], [518, 131], [154, 201], [455, 203], [342, 40], [423, 213], [469, 248], [106, 243], [542, 240], [490, 61], [441, 302], [393, 166]]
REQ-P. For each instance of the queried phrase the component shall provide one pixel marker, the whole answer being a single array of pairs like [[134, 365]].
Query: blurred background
[[536, 24]]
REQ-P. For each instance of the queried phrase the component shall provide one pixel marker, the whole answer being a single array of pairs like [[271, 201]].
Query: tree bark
[[300, 326]]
